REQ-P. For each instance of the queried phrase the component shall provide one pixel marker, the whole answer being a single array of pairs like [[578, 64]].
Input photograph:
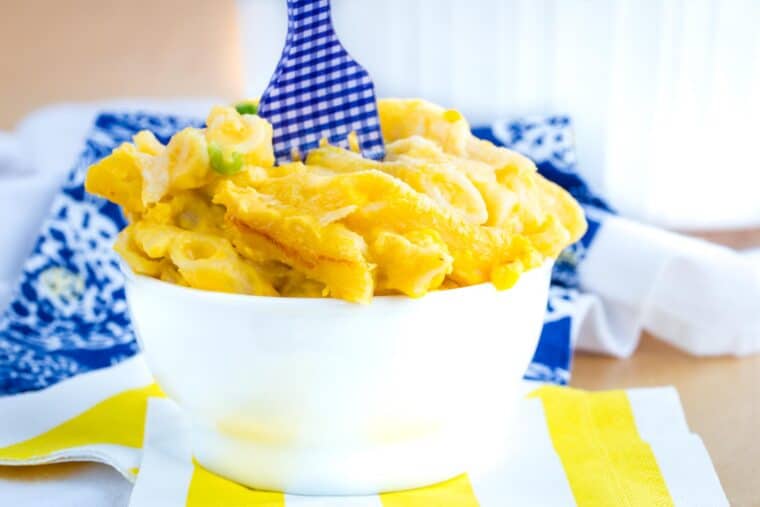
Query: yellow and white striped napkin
[[98, 416], [568, 447]]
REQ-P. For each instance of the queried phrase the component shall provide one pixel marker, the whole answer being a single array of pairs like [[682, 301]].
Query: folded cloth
[[98, 417], [698, 296], [64, 485], [568, 447]]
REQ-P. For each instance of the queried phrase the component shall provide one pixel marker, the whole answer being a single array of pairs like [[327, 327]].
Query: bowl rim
[[131, 277]]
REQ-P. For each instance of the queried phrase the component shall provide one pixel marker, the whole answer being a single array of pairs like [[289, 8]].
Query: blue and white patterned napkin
[[69, 313]]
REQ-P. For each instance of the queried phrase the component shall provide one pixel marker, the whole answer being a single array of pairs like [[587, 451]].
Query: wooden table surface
[[88, 49]]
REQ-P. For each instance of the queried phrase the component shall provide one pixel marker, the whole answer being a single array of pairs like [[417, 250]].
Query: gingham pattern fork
[[317, 90]]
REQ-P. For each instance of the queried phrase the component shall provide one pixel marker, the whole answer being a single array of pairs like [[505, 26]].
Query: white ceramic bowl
[[321, 396]]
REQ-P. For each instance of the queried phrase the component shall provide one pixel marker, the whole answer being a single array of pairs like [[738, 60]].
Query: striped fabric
[[317, 90], [629, 448]]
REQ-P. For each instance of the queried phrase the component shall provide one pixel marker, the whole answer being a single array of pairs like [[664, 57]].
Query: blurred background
[[663, 94]]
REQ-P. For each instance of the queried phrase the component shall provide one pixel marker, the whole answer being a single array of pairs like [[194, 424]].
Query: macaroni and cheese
[[210, 209]]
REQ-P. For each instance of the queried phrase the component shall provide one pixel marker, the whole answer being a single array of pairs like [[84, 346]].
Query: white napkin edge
[[121, 459], [89, 484]]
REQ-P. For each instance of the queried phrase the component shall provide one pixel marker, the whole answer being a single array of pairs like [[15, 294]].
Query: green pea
[[227, 166]]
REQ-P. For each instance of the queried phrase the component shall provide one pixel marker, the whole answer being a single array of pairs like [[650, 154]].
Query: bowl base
[[304, 470]]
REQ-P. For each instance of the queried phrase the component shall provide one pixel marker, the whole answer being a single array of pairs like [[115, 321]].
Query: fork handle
[[305, 15]]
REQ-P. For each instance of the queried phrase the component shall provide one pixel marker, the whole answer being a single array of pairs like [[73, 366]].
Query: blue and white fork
[[317, 90]]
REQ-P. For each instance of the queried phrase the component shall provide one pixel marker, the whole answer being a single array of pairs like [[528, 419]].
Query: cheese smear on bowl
[[210, 210]]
